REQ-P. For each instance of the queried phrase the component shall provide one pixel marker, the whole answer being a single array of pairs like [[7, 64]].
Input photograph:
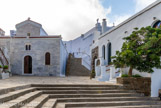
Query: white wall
[[115, 35], [63, 58], [81, 47], [155, 82]]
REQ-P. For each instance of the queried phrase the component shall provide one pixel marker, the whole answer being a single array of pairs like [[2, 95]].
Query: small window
[[47, 58], [28, 34], [28, 47]]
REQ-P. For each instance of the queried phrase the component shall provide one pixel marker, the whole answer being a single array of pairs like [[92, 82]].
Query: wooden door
[[28, 65]]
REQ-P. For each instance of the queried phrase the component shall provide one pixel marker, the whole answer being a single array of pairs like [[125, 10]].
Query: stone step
[[74, 85], [103, 99], [21, 101], [85, 91], [51, 103], [110, 104], [37, 102], [95, 95], [7, 90], [12, 95], [140, 106], [80, 88]]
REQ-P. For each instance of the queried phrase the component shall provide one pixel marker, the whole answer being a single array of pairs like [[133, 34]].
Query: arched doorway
[[109, 52], [103, 52], [94, 62], [28, 65]]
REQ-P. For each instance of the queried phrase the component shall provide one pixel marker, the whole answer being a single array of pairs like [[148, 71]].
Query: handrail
[[1, 61], [4, 56], [86, 62], [83, 53]]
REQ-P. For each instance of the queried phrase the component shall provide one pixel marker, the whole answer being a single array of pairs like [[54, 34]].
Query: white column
[[112, 72]]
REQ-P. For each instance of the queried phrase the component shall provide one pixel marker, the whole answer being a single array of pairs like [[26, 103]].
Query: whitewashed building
[[80, 47], [105, 45]]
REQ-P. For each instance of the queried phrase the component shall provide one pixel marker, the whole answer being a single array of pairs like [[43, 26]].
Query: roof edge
[[132, 17]]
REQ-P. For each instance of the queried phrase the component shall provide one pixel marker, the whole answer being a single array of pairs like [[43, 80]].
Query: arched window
[[47, 58], [29, 47], [109, 52], [103, 51], [26, 47], [157, 24]]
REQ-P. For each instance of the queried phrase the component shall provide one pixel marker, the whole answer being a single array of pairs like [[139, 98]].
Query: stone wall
[[141, 85], [28, 28], [75, 67], [39, 47], [94, 56]]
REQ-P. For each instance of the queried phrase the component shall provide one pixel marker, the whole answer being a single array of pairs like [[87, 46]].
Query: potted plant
[[1, 69], [5, 67], [5, 74], [92, 74]]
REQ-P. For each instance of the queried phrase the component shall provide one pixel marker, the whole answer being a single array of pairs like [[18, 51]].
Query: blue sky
[[119, 8], [69, 18]]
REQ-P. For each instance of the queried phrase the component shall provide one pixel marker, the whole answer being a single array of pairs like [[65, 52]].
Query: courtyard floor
[[24, 80]]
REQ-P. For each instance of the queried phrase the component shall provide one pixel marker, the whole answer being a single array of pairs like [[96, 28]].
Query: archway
[[109, 53], [103, 52], [28, 65], [93, 64], [157, 24]]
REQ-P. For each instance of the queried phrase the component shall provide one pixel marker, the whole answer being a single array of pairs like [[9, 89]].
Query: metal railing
[[3, 58]]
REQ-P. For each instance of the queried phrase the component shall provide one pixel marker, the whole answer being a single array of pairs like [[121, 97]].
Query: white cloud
[[70, 18], [121, 18], [109, 10], [141, 4]]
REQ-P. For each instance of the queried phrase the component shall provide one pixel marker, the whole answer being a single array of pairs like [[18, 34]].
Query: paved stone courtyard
[[23, 80]]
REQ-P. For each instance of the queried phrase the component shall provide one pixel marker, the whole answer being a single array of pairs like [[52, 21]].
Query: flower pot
[[92, 75], [4, 75]]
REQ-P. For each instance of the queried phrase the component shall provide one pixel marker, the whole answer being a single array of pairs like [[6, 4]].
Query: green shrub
[[5, 67], [124, 75], [137, 75], [0, 66]]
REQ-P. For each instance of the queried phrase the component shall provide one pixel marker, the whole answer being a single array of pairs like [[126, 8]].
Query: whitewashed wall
[[115, 35], [81, 47], [63, 58]]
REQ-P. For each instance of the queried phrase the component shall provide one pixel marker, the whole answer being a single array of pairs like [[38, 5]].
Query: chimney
[[98, 26], [104, 26]]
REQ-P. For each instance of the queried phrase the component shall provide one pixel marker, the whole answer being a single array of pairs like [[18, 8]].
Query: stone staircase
[[75, 67], [74, 96]]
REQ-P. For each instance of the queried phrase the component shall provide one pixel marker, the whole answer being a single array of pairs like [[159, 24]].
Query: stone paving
[[23, 80]]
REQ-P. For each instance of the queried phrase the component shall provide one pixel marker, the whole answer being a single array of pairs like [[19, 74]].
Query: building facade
[[80, 47], [108, 43], [32, 51]]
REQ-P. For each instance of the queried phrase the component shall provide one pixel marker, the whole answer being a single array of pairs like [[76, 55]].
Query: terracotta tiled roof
[[32, 37], [1, 30]]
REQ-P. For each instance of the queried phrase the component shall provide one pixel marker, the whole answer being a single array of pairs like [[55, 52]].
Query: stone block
[[141, 85]]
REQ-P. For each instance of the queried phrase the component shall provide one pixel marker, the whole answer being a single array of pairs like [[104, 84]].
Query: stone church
[[31, 51]]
